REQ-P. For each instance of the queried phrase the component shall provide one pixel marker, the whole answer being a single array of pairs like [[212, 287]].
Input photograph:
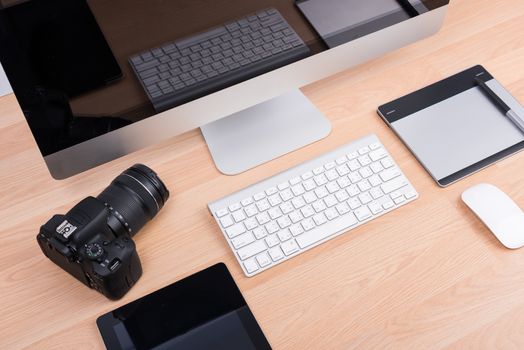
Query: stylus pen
[[511, 114]]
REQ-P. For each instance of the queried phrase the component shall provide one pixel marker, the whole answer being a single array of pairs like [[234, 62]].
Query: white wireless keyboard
[[286, 214]]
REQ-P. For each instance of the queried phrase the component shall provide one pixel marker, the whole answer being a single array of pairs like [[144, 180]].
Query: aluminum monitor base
[[264, 132]]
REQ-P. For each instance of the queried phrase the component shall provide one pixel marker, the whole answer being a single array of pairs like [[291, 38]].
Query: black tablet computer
[[203, 311]]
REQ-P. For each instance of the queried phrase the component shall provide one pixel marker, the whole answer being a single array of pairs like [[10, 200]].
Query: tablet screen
[[203, 311]]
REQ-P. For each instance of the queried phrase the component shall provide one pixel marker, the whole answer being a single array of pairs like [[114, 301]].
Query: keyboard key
[[331, 175], [259, 196], [263, 205], [308, 224], [250, 265], [319, 206], [308, 238], [378, 154], [309, 185], [400, 199], [289, 247], [321, 192], [226, 221], [251, 210], [331, 213], [364, 160], [147, 65], [330, 201], [295, 181], [366, 172], [353, 165], [270, 191], [365, 198], [242, 240], [343, 170], [332, 187], [318, 170], [251, 250], [283, 186], [272, 240], [393, 185], [284, 222], [321, 179], [341, 160], [287, 208], [307, 211], [274, 213], [276, 254], [410, 194], [310, 197], [352, 155], [354, 203], [275, 200], [388, 205], [263, 260], [376, 167], [319, 219], [263, 218], [251, 223], [376, 193], [298, 202], [239, 215], [296, 230], [297, 190], [363, 150], [344, 182], [296, 216], [284, 235], [389, 174], [342, 208], [221, 212], [307, 175], [386, 162], [272, 227], [375, 208], [395, 194], [235, 230], [374, 145], [362, 213], [342, 195], [234, 207], [247, 201]]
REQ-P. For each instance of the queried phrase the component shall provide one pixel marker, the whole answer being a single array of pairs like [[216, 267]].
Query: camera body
[[93, 243]]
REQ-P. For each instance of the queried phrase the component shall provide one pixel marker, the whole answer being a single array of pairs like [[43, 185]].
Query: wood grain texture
[[426, 276]]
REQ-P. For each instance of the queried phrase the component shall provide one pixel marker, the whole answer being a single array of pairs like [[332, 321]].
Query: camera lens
[[135, 197]]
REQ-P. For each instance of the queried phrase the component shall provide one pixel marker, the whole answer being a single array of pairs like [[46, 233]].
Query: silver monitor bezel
[[207, 109]]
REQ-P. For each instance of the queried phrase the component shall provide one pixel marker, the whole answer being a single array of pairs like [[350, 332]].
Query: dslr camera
[[93, 240]]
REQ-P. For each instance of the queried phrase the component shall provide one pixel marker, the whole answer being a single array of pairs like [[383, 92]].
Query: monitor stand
[[264, 132]]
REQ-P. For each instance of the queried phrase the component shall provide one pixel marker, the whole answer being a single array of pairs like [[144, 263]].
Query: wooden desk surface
[[428, 275]]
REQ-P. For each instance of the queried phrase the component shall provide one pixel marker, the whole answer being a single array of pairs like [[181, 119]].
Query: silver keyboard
[[286, 214]]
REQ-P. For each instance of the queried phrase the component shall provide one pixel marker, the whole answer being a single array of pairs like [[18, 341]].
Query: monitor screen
[[83, 68]]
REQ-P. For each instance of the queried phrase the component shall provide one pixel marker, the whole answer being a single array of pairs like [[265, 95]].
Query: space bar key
[[329, 229]]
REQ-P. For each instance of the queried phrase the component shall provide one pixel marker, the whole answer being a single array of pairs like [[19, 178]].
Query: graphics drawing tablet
[[453, 128]]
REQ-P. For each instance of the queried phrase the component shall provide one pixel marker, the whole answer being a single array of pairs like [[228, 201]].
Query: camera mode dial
[[94, 250]]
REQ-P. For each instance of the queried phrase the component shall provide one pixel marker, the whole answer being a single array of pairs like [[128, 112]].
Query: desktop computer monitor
[[99, 79]]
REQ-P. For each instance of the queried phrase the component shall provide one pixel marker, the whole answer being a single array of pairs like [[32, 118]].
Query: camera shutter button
[[94, 250]]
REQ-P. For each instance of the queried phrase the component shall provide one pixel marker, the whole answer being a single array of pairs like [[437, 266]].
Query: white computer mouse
[[498, 212]]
